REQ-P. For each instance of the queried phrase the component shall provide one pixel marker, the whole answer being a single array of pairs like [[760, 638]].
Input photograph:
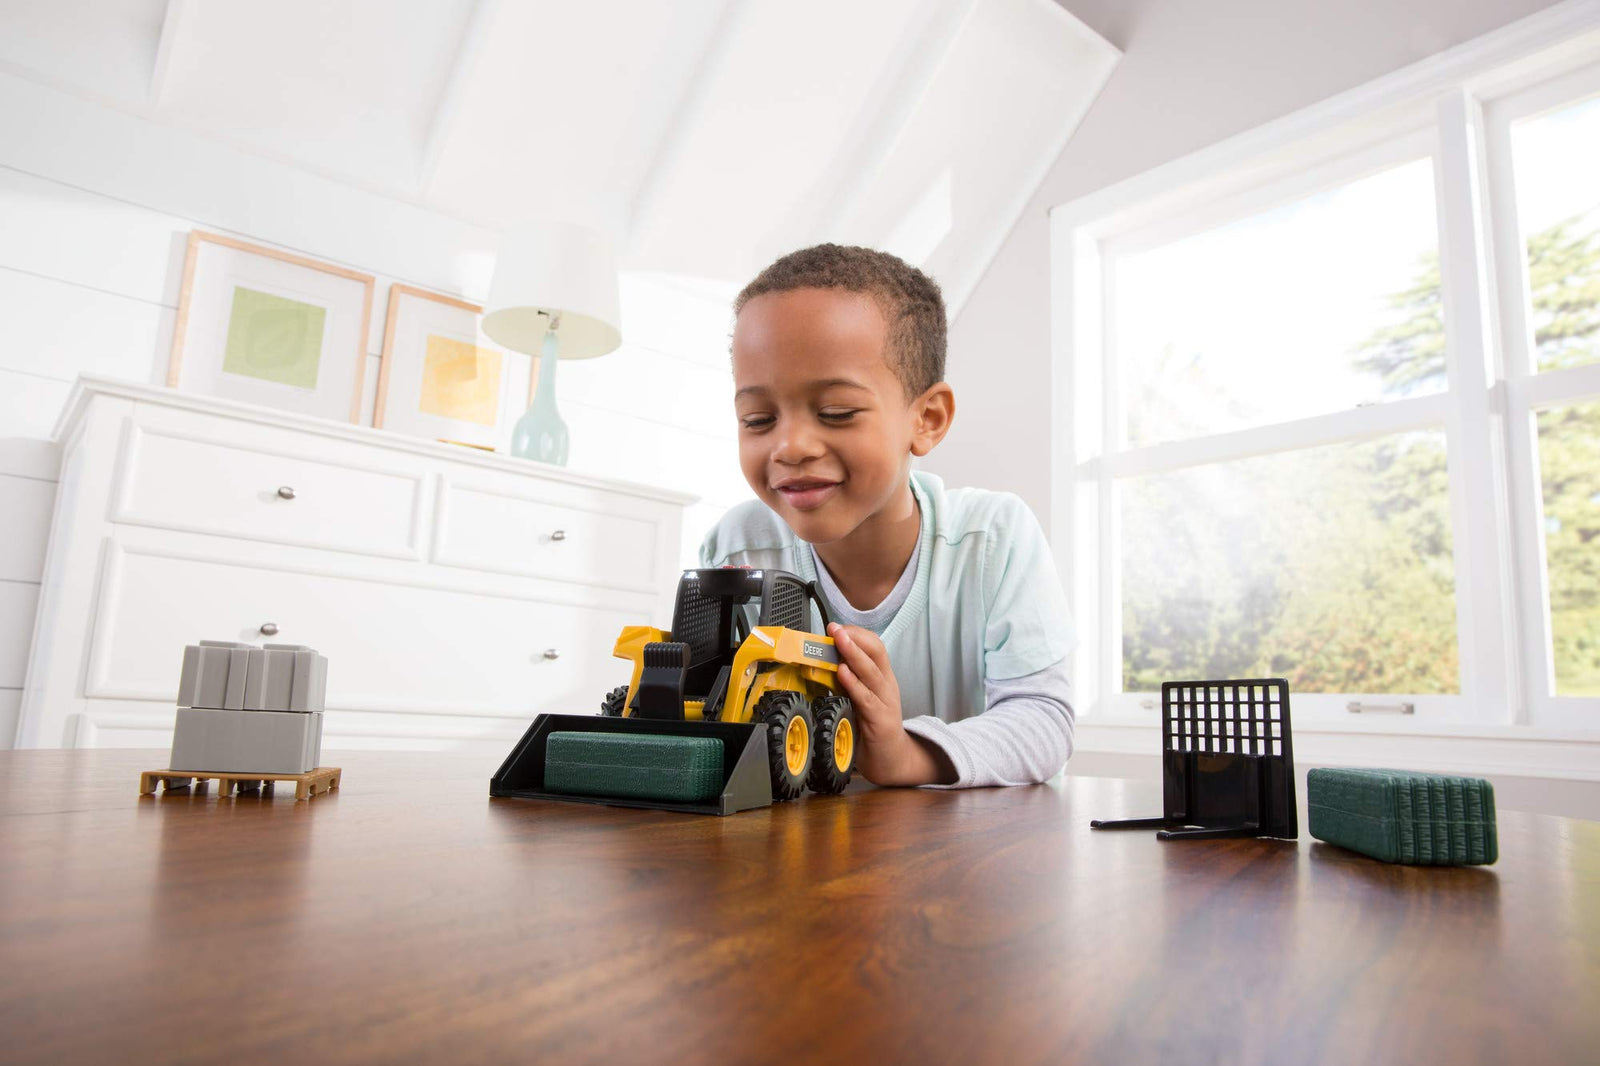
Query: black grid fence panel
[[1225, 717]]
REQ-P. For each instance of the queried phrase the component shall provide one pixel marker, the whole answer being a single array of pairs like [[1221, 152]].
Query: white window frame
[[1527, 392], [1455, 107]]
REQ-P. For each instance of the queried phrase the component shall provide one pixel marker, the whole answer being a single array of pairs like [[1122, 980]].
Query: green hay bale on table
[[1406, 817], [628, 766]]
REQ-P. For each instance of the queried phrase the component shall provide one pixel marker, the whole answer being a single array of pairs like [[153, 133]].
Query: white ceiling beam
[[447, 110], [974, 266], [670, 148], [171, 32], [870, 143]]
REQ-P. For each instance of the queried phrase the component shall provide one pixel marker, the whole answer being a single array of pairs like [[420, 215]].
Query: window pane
[[1557, 162], [1331, 567], [1320, 305], [1569, 468]]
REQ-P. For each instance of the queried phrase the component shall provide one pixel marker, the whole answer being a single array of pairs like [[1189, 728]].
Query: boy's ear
[[932, 412]]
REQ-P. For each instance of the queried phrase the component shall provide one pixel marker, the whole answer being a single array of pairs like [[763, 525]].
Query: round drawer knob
[[285, 492], [269, 629], [559, 534], [552, 653]]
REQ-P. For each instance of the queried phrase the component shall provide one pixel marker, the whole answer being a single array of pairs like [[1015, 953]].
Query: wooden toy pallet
[[306, 785]]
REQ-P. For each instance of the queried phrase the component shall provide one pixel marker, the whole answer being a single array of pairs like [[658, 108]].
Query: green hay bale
[[1400, 816], [634, 766]]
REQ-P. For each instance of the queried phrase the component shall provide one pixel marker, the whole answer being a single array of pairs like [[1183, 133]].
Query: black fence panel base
[[1227, 762]]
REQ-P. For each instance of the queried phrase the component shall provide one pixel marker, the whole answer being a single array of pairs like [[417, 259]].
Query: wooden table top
[[408, 917]]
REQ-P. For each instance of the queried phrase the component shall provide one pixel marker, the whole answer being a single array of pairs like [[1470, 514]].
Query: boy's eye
[[756, 421], [837, 415]]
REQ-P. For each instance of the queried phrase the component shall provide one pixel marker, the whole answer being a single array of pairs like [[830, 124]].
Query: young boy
[[946, 601]]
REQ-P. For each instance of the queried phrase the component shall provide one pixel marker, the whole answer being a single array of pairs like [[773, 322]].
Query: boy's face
[[826, 432]]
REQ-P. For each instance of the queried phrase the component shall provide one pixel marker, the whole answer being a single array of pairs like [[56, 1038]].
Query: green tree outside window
[[1332, 566]]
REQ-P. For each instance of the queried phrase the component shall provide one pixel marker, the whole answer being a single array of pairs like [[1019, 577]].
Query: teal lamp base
[[540, 433]]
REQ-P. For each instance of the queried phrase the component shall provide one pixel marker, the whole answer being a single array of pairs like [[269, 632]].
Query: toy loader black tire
[[612, 705], [835, 744], [776, 711]]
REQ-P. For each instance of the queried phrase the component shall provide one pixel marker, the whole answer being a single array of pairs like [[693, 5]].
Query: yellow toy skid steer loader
[[717, 716]]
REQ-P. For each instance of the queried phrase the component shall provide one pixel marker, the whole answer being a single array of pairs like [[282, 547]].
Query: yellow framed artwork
[[270, 327], [440, 377]]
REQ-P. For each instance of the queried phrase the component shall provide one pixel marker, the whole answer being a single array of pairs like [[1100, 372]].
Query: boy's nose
[[796, 445]]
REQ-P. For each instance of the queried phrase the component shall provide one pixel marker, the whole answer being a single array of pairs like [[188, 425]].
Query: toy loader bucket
[[746, 779]]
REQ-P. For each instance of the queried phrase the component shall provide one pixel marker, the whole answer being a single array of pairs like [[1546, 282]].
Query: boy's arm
[[888, 753], [1024, 735]]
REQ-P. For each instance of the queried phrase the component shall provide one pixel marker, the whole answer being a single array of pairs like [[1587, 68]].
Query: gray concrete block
[[246, 742], [238, 673], [269, 681], [286, 677], [310, 682], [214, 674]]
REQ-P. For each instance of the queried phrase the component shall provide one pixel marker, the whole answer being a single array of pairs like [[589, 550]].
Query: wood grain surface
[[406, 917]]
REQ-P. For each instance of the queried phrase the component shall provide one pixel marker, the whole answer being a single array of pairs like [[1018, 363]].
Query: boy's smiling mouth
[[805, 493]]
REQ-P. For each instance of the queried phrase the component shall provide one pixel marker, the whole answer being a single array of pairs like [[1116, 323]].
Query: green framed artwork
[[274, 338], [270, 327], [440, 377]]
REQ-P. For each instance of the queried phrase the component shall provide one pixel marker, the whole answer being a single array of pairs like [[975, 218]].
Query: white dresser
[[454, 593]]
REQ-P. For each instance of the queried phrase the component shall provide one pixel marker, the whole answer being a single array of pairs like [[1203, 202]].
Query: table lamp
[[554, 294]]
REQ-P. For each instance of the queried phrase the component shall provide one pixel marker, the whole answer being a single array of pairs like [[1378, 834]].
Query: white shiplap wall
[[27, 492], [95, 209]]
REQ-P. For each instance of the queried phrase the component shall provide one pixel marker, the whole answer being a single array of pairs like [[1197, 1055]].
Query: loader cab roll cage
[[708, 626]]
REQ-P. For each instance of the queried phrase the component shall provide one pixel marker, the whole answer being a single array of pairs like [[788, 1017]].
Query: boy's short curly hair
[[910, 300]]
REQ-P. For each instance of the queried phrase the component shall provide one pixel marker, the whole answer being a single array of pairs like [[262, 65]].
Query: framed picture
[[271, 327], [441, 377]]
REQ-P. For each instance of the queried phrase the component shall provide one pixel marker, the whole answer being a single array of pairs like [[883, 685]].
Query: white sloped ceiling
[[706, 135]]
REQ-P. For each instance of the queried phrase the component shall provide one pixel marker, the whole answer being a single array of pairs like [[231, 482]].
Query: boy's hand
[[888, 755]]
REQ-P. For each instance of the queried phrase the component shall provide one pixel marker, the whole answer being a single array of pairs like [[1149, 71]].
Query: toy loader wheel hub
[[844, 746], [796, 745]]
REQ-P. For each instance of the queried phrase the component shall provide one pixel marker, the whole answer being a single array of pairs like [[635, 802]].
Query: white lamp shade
[[556, 268]]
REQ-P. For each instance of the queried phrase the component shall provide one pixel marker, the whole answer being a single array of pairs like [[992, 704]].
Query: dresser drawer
[[390, 647], [563, 533], [255, 490]]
